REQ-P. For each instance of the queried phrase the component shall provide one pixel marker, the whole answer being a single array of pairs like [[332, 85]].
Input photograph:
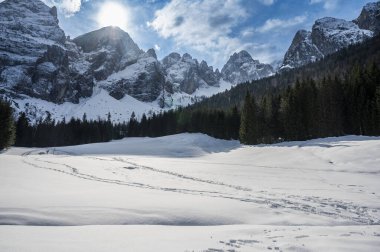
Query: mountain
[[369, 18], [186, 74], [120, 66], [35, 54], [242, 68], [108, 50], [336, 64], [301, 51], [104, 71], [329, 35], [44, 72]]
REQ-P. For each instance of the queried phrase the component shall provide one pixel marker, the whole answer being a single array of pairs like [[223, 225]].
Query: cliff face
[[35, 55], [369, 18], [241, 68], [331, 34]]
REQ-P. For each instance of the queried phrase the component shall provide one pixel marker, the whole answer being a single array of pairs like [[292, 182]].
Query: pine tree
[[23, 131], [378, 110], [7, 128], [248, 123]]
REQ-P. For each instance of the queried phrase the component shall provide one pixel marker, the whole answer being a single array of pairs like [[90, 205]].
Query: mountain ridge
[[330, 34], [61, 70]]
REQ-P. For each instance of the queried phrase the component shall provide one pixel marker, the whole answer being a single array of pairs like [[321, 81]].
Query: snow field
[[192, 192]]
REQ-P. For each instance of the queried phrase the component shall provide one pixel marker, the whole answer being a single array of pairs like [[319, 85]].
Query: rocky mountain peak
[[241, 67], [240, 57], [171, 59], [185, 74], [186, 57], [369, 18], [54, 12], [331, 34], [109, 49], [30, 18], [110, 37], [301, 51], [151, 53], [327, 36], [33, 54]]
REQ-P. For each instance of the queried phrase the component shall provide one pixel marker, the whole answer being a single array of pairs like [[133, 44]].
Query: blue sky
[[207, 29]]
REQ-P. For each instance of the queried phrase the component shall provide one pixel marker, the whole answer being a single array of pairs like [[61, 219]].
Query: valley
[[193, 192]]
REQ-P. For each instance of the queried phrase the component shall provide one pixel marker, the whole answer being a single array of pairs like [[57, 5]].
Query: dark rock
[[242, 68], [369, 18]]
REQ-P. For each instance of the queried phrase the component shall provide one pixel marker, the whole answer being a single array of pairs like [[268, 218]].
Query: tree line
[[49, 133], [333, 106], [309, 109], [336, 65], [335, 96]]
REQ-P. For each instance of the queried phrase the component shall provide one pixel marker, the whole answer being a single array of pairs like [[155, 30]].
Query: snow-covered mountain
[[329, 35], [43, 71], [369, 18], [35, 55], [241, 68], [187, 75]]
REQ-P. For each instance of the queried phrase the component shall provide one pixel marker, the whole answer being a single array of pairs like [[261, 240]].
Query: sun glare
[[113, 14]]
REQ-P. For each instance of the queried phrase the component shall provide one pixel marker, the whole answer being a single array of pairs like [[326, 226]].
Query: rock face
[[185, 74], [241, 68], [120, 66], [369, 18], [301, 51], [37, 60], [144, 79], [34, 58], [329, 35], [108, 50]]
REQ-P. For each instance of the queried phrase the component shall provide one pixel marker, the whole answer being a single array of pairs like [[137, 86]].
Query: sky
[[209, 30]]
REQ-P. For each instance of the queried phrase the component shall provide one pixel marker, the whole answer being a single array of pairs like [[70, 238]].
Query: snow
[[97, 106], [342, 31], [101, 103], [191, 192], [182, 99], [131, 72]]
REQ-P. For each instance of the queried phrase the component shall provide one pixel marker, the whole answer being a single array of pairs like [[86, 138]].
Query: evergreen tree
[[23, 131], [7, 128], [248, 123]]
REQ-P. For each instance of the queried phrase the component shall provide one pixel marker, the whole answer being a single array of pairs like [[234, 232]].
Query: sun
[[113, 14]]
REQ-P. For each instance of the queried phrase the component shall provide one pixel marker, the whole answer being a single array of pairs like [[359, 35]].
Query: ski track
[[327, 207]]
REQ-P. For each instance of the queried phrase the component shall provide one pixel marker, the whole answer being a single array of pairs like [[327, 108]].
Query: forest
[[338, 95]]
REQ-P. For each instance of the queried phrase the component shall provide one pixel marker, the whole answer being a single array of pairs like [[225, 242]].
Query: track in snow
[[327, 207]]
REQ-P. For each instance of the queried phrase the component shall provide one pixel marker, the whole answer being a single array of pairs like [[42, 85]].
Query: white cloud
[[202, 25], [247, 32], [272, 24], [327, 4], [267, 2], [68, 7], [157, 47]]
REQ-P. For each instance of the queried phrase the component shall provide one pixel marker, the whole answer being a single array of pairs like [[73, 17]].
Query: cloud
[[267, 2], [202, 25], [327, 4], [68, 7], [272, 24], [247, 32], [157, 47]]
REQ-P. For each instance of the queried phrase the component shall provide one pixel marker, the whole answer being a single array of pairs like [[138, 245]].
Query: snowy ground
[[101, 103], [191, 192]]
